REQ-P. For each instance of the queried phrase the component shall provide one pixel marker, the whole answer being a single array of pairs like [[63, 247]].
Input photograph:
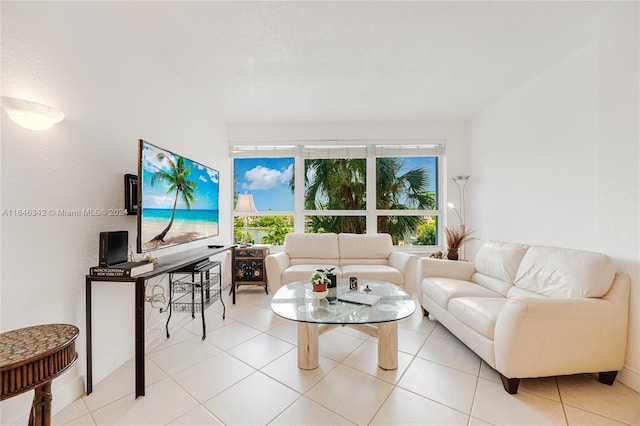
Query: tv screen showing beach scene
[[178, 199]]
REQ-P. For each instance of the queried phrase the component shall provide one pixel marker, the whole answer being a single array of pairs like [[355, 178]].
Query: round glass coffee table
[[297, 302]]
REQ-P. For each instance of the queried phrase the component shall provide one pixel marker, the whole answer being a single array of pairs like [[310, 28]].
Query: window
[[408, 184], [332, 185], [344, 188], [270, 181]]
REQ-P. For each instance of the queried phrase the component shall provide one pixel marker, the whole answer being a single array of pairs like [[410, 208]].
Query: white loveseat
[[532, 311], [351, 255]]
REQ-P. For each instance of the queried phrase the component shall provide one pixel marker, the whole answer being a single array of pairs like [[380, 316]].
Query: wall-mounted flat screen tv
[[177, 199]]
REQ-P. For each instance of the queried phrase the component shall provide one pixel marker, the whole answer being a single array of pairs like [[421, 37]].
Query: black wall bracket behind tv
[[131, 194]]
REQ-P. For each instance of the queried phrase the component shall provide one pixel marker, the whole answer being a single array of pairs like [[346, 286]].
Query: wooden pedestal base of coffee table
[[386, 332], [296, 302]]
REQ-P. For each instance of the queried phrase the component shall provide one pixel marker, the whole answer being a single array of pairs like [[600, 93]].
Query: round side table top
[[25, 344]]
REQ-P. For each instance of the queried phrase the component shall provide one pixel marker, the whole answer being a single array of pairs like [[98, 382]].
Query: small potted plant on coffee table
[[328, 272], [319, 282]]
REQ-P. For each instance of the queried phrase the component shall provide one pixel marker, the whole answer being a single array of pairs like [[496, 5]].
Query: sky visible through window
[[422, 162], [268, 179]]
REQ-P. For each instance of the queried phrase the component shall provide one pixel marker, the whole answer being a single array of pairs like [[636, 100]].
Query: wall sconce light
[[31, 115], [245, 206]]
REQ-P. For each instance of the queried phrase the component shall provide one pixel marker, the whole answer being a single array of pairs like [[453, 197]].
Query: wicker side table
[[30, 358]]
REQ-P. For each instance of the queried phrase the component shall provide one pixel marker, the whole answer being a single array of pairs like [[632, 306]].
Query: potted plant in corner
[[456, 236], [319, 282]]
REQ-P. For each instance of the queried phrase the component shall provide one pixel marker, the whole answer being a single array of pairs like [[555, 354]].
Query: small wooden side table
[[30, 358], [249, 268]]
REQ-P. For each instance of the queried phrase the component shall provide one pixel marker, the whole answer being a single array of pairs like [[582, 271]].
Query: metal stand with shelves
[[196, 288]]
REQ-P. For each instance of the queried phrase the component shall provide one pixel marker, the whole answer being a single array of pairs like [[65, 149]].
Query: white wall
[[556, 162], [113, 93]]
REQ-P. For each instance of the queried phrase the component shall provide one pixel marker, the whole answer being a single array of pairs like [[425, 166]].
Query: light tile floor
[[245, 373]]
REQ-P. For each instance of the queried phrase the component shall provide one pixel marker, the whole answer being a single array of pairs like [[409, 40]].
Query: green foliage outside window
[[278, 227], [427, 233], [337, 224], [340, 184], [263, 229]]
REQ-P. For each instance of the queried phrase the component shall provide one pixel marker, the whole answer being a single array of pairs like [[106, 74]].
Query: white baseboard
[[629, 377], [107, 364], [66, 394]]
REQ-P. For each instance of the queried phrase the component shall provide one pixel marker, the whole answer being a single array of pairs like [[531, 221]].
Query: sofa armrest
[[537, 337], [405, 263], [276, 263], [459, 270]]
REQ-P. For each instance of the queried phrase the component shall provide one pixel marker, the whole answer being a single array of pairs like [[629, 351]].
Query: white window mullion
[[335, 212], [408, 212], [298, 218], [372, 219]]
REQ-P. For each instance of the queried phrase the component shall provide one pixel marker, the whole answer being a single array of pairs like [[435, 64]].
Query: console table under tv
[[166, 264]]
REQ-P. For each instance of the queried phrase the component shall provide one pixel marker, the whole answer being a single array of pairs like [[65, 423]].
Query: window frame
[[372, 150]]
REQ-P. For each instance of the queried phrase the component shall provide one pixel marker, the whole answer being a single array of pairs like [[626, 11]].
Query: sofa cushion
[[521, 292], [500, 260], [371, 261], [361, 248], [326, 263], [303, 272], [312, 246], [373, 272], [478, 313], [565, 273], [492, 283], [442, 290]]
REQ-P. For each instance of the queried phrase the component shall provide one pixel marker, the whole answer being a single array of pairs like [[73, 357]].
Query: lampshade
[[31, 115], [457, 178], [245, 204]]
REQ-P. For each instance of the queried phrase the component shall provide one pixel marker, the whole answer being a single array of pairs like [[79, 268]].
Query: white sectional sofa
[[532, 311], [351, 255]]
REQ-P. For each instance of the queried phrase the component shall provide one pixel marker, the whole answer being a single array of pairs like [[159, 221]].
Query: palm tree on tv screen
[[178, 179]]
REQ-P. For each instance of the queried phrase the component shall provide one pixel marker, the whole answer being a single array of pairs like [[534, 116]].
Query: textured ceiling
[[357, 61]]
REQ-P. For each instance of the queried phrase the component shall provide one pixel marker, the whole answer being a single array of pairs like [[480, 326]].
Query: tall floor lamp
[[245, 206], [461, 181]]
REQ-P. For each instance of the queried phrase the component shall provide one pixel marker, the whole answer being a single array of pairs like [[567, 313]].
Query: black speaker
[[113, 248]]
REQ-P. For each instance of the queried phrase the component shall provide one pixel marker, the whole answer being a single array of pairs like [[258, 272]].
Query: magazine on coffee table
[[359, 298]]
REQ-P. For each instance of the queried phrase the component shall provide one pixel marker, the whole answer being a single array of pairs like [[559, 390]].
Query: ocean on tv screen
[[187, 225]]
